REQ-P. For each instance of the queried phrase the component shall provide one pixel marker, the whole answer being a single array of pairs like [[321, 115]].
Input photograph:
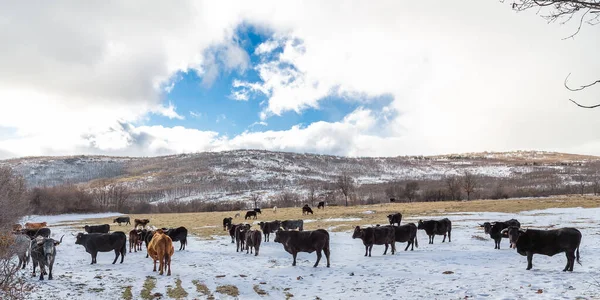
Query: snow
[[479, 271], [53, 219], [341, 219]]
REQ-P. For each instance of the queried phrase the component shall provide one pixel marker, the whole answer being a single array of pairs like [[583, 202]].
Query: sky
[[351, 78]]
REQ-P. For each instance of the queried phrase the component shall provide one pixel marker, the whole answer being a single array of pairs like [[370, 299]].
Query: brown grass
[[205, 225], [228, 289], [260, 291]]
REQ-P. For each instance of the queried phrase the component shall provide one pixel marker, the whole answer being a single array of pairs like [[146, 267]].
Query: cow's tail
[[124, 249], [416, 241], [577, 256]]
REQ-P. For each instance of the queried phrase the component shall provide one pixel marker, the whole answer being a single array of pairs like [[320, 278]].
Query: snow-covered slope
[[476, 270]]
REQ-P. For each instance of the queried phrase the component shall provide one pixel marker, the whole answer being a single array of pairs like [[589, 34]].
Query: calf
[[495, 229], [103, 242], [97, 228], [178, 234], [142, 222], [253, 241], [35, 225], [321, 205], [306, 210], [439, 227], [546, 242], [43, 253], [161, 249], [268, 228], [370, 236], [292, 224], [33, 233], [258, 211], [120, 220], [305, 241], [406, 233], [250, 214], [226, 223], [135, 240], [240, 236], [395, 218]]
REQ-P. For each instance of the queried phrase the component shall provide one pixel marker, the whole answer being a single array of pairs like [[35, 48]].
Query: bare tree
[[410, 191], [312, 194], [596, 184], [345, 184], [581, 183], [585, 11], [394, 190], [469, 183], [453, 185], [255, 197]]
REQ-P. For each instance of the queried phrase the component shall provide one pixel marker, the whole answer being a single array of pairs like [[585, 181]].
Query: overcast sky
[[357, 78]]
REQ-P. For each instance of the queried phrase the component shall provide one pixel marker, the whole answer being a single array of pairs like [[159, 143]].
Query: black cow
[[231, 228], [103, 242], [240, 236], [439, 227], [226, 223], [494, 229], [97, 228], [43, 253], [253, 241], [392, 199], [33, 233], [306, 210], [395, 218], [250, 214], [292, 224], [384, 235], [147, 237], [258, 211], [268, 228], [406, 233], [120, 220], [305, 241], [546, 242], [321, 205], [178, 234]]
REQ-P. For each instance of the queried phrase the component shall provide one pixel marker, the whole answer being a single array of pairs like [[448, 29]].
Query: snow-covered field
[[476, 270]]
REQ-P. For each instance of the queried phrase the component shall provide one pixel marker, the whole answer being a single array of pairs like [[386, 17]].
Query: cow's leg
[[386, 247], [449, 236], [318, 258], [256, 250], [168, 262], [294, 255], [94, 255], [161, 266], [570, 261], [407, 245], [444, 240], [529, 260], [370, 249], [34, 263], [50, 272], [154, 268], [123, 251], [326, 250], [116, 256], [366, 250], [393, 247], [42, 271]]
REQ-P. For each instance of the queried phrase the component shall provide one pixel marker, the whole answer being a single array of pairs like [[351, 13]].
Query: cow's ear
[[56, 243]]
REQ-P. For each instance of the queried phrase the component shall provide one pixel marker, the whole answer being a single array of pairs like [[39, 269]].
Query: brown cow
[[35, 225], [17, 227], [135, 240], [161, 249], [253, 239], [142, 222]]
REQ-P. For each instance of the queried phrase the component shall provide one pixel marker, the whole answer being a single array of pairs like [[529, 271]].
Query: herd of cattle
[[33, 241]]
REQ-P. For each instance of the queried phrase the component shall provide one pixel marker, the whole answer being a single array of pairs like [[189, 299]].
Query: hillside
[[233, 175]]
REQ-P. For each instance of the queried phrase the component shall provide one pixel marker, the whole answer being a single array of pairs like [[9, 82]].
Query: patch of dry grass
[[203, 289], [208, 224], [260, 291], [178, 292], [228, 289]]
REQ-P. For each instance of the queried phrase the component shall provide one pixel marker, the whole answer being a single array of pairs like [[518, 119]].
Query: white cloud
[[168, 111], [195, 114]]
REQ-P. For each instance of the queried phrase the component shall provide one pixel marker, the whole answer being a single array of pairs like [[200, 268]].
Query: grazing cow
[[370, 236], [178, 234], [240, 236], [439, 227], [392, 199], [226, 223], [258, 211], [97, 228], [135, 240], [35, 225], [20, 247], [274, 209], [406, 233], [305, 241], [161, 249], [495, 229], [306, 209], [17, 227], [253, 239], [321, 205], [142, 222], [292, 224], [268, 228], [231, 229], [250, 214], [103, 242], [43, 253], [120, 220], [395, 218], [546, 242], [33, 233]]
